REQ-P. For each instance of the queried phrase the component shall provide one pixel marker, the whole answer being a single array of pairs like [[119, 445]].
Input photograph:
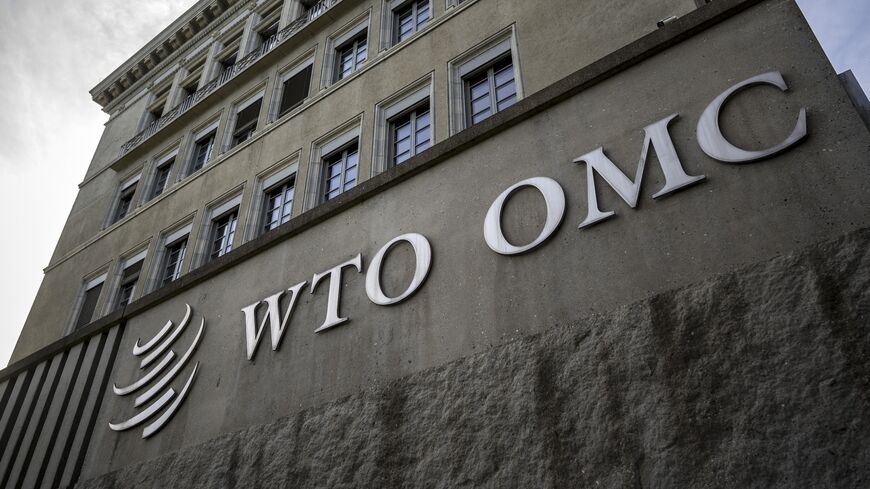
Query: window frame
[[397, 9], [284, 186], [419, 92], [344, 153], [168, 239], [487, 73], [488, 52], [167, 162], [295, 69], [352, 46], [232, 218], [91, 282], [251, 127], [339, 138], [122, 281], [271, 178], [413, 115], [353, 30], [197, 136], [127, 188]]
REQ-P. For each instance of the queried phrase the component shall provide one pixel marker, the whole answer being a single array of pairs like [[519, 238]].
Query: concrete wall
[[591, 29], [755, 378], [493, 374]]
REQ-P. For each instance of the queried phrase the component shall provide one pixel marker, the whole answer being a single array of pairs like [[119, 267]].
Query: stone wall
[[755, 378]]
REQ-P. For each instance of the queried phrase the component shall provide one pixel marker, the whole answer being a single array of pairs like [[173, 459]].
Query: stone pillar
[[249, 36], [291, 11], [173, 98], [208, 68]]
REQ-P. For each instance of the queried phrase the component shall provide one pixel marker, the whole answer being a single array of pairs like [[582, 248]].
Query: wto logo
[[164, 395]]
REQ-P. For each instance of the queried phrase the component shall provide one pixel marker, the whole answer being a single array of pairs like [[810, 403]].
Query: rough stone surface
[[756, 378]]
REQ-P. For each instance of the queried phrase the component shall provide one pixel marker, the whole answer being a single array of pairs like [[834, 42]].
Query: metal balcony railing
[[310, 14]]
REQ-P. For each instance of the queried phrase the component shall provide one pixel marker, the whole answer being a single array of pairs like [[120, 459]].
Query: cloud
[[53, 54]]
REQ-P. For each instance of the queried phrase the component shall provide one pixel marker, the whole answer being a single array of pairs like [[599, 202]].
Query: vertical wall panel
[[57, 462], [37, 418], [18, 426], [53, 418], [7, 423]]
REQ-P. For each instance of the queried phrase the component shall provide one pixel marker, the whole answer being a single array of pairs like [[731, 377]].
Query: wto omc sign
[[267, 312]]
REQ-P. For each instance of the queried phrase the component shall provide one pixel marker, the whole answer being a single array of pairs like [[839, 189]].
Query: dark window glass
[[202, 151], [246, 122], [491, 90], [125, 202], [223, 231], [409, 19], [279, 204], [161, 178], [89, 306], [340, 171], [128, 284], [410, 133], [172, 261], [295, 90], [350, 56]]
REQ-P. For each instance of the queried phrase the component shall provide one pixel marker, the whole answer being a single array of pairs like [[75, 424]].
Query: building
[[383, 243]]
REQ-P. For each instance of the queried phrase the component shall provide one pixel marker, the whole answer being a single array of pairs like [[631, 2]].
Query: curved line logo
[[158, 351]]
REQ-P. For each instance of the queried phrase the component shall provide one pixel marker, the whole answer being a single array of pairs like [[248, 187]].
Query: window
[[409, 134], [161, 176], [340, 171], [89, 301], [484, 80], [127, 286], [246, 121], [491, 90], [125, 199], [279, 204], [294, 89], [410, 18], [350, 56], [202, 150], [223, 232], [173, 259]]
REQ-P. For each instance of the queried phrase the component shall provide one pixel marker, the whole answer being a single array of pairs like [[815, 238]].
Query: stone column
[[249, 36], [291, 11]]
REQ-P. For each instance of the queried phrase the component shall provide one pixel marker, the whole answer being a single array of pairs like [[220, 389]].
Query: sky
[[53, 52]]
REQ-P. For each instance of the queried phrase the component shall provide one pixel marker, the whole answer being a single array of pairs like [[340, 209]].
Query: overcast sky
[[54, 51]]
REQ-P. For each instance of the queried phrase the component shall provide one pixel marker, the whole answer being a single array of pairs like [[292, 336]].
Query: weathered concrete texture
[[756, 378]]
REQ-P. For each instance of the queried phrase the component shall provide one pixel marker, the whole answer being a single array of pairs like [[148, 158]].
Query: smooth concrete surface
[[552, 42], [475, 300]]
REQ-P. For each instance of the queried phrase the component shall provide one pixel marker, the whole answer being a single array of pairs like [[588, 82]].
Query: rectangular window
[[223, 232], [246, 122], [409, 19], [295, 90], [350, 56], [127, 287], [173, 259], [161, 177], [125, 203], [89, 303], [279, 204], [490, 90], [202, 150], [410, 134], [340, 171]]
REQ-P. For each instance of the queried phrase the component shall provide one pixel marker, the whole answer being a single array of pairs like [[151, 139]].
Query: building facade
[[411, 243]]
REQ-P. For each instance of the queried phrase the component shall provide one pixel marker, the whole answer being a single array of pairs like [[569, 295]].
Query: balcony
[[313, 12]]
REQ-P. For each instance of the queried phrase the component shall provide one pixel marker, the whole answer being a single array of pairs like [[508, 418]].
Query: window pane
[[89, 306], [504, 75]]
